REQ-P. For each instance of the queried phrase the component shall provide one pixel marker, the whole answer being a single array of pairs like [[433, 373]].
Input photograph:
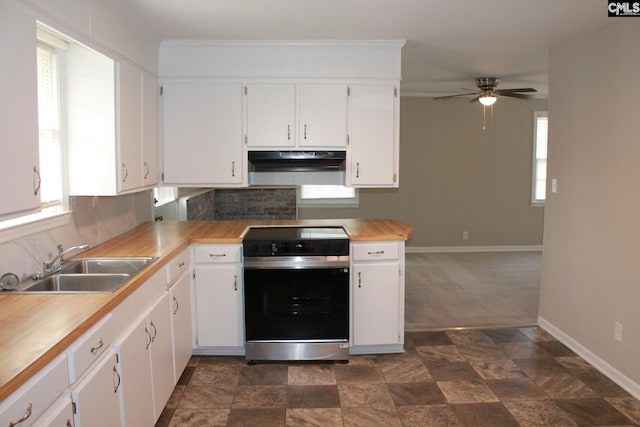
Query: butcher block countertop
[[36, 328]]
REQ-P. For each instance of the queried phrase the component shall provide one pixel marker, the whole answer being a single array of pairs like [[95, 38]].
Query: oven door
[[309, 304]]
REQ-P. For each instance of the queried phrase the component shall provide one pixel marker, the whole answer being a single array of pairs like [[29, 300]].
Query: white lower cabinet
[[95, 396], [135, 366], [60, 414], [146, 361], [218, 297], [377, 297], [180, 295]]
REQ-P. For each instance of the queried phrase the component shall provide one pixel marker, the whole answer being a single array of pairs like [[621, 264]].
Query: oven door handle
[[300, 263]]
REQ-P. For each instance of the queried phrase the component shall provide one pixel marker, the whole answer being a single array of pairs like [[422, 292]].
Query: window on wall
[[539, 179], [327, 196], [50, 145]]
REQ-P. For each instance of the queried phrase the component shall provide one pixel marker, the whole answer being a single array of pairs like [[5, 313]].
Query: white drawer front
[[374, 251], [177, 265], [89, 347], [218, 253], [36, 395]]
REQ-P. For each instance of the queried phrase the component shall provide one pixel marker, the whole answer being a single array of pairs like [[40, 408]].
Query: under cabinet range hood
[[296, 161], [296, 167]]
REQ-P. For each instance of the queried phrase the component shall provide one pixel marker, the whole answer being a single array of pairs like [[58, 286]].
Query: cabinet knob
[[288, 132], [118, 379], [359, 279], [233, 169], [125, 172], [358, 170], [97, 346], [146, 170], [235, 282], [305, 131], [177, 305]]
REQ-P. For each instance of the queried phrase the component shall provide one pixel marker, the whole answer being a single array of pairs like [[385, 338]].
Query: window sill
[[29, 224]]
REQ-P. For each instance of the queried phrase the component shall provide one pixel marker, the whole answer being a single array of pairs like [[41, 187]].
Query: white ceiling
[[449, 42]]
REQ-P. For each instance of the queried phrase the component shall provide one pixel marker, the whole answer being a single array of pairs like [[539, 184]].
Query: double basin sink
[[90, 275]]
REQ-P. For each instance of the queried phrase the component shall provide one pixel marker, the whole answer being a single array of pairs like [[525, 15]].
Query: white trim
[[452, 249], [601, 365], [32, 224]]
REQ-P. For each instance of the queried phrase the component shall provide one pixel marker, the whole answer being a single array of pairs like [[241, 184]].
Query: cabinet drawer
[[374, 251], [89, 347], [217, 253], [37, 394], [177, 265]]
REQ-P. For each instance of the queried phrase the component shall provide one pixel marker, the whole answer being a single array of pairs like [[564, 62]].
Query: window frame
[[327, 202], [534, 158], [48, 215]]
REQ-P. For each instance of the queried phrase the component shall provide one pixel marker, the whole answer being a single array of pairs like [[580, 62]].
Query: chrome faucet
[[50, 267]]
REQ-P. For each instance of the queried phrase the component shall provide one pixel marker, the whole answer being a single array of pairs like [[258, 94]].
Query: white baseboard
[[453, 249], [614, 375]]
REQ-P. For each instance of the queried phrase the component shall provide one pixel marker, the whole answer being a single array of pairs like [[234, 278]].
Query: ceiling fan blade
[[522, 89], [516, 95], [453, 96]]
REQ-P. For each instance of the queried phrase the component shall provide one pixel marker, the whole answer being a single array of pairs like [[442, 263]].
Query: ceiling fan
[[487, 93]]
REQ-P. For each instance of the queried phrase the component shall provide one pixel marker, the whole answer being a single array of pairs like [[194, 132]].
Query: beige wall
[[591, 258], [455, 177]]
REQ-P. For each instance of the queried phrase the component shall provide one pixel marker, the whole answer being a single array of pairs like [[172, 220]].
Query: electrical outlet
[[617, 332], [465, 235]]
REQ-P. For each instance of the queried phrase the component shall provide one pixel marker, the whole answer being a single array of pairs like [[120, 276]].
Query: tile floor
[[488, 377]]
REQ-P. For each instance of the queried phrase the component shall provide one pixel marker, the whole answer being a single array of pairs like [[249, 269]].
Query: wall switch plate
[[617, 333], [554, 185], [465, 235]]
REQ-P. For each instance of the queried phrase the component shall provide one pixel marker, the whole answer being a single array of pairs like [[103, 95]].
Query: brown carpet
[[483, 289]]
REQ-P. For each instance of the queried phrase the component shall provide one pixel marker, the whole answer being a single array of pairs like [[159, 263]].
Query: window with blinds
[[49, 127], [539, 179]]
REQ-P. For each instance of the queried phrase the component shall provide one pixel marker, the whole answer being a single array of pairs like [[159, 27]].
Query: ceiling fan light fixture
[[488, 99]]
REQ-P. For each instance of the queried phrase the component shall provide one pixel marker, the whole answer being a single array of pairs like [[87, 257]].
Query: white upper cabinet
[[202, 131], [296, 97], [112, 117], [271, 114], [323, 115], [18, 111], [150, 130], [129, 102], [374, 136]]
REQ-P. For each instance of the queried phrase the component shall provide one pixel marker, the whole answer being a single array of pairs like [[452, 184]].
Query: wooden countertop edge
[[402, 232]]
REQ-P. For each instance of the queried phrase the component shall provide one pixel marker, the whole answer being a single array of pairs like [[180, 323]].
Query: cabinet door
[[129, 102], [60, 414], [271, 114], [161, 353], [323, 115], [202, 130], [150, 130], [96, 396], [181, 321], [19, 110], [376, 303], [135, 367], [218, 299], [374, 136]]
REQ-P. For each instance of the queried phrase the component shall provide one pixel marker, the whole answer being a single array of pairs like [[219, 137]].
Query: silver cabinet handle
[[24, 418], [305, 131], [177, 305], [233, 169], [357, 170], [359, 279], [376, 253], [216, 255], [146, 170], [147, 344], [117, 385], [37, 180], [288, 132], [155, 332], [97, 346], [235, 282], [181, 264], [125, 172]]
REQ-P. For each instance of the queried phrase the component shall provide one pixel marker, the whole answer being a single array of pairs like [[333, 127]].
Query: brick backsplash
[[262, 203]]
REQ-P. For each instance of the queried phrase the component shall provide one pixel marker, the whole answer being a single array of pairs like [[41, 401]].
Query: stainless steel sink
[[111, 265], [79, 283], [89, 275]]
